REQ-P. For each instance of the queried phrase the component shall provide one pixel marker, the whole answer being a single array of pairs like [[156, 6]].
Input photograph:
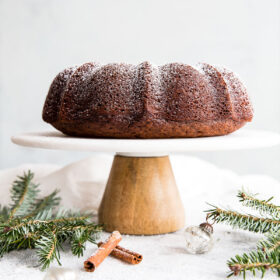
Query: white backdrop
[[38, 38]]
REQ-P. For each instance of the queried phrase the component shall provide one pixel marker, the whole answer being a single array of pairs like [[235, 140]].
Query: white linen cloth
[[81, 186]]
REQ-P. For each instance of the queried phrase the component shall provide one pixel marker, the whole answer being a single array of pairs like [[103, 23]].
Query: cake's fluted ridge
[[122, 100]]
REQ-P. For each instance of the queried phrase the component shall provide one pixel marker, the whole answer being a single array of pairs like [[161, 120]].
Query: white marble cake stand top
[[241, 139]]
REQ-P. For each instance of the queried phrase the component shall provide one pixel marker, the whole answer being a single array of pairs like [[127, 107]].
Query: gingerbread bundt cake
[[146, 101]]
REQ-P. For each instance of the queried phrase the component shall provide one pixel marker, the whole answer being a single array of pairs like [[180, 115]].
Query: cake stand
[[141, 196]]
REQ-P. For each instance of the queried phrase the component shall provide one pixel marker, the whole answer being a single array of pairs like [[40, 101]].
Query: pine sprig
[[4, 213], [23, 194], [254, 261], [47, 249], [79, 239], [46, 203], [33, 223], [44, 220], [270, 243], [263, 206], [267, 254], [242, 221]]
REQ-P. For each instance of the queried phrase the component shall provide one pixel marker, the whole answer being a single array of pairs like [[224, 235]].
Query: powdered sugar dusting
[[55, 94], [122, 98], [238, 94]]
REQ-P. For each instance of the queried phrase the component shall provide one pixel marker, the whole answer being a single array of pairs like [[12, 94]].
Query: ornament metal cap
[[206, 227]]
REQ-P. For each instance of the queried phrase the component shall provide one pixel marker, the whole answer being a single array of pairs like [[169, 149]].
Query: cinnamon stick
[[125, 254], [104, 250]]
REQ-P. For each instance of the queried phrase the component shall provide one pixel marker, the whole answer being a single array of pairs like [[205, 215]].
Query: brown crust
[[126, 101], [149, 129]]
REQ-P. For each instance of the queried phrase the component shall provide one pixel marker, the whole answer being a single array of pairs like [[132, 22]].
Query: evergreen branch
[[242, 221], [267, 255], [47, 249], [254, 261], [46, 203], [29, 224], [5, 247], [271, 243], [78, 241], [4, 213], [91, 228], [72, 219], [263, 206], [81, 235], [23, 194]]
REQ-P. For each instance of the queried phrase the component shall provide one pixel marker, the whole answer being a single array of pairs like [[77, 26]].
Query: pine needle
[[45, 203], [23, 194], [270, 243], [254, 261], [242, 221], [47, 249], [263, 206]]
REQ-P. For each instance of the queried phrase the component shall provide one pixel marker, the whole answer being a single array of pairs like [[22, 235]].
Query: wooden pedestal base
[[141, 197]]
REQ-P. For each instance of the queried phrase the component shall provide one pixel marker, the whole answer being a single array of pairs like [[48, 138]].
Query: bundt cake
[[145, 101]]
